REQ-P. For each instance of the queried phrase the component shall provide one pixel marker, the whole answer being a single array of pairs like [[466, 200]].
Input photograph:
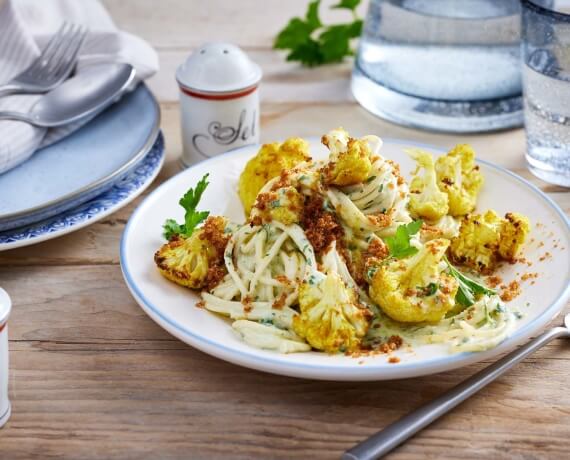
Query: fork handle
[[393, 435]]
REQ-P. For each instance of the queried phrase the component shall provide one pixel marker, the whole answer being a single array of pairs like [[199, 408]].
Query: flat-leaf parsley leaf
[[192, 217], [469, 290], [312, 43], [399, 244]]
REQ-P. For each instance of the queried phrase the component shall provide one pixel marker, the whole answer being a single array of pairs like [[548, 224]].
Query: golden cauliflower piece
[[197, 261], [284, 205], [514, 231], [415, 289], [349, 161], [269, 162], [331, 318], [460, 178], [426, 199], [484, 239]]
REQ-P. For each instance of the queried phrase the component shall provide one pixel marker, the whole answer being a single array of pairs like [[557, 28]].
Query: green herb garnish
[[312, 43], [192, 217], [399, 244], [427, 291], [469, 290]]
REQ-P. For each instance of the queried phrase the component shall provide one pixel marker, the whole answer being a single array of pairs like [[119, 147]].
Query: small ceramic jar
[[219, 101], [5, 307]]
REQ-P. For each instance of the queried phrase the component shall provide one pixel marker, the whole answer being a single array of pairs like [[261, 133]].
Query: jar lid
[[5, 307], [218, 68]]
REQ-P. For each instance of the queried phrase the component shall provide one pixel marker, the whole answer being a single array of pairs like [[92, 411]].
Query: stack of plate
[[84, 177]]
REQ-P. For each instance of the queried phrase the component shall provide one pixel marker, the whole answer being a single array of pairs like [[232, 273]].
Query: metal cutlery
[[53, 66], [85, 94], [395, 434]]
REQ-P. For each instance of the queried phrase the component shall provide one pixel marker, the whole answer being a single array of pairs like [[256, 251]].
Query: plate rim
[[147, 146], [321, 371], [91, 220]]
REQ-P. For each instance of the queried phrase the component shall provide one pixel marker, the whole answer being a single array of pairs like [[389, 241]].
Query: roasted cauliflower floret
[[349, 160], [484, 239], [197, 261], [514, 231], [426, 199], [415, 289], [460, 179], [269, 162], [284, 205], [331, 318]]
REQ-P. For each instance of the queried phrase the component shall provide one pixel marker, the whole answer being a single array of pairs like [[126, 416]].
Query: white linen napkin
[[26, 26]]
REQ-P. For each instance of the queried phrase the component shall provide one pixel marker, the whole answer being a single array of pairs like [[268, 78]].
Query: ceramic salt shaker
[[5, 307], [219, 101]]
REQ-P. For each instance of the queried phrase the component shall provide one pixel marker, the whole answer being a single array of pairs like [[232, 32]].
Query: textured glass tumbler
[[444, 65], [546, 76]]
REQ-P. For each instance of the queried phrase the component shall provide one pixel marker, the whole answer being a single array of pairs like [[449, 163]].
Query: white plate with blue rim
[[174, 307], [119, 195], [83, 165]]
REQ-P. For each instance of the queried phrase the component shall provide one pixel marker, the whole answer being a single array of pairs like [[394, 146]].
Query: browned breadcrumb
[[279, 303], [247, 304], [525, 261], [494, 280], [510, 291], [213, 233], [393, 360], [201, 304], [393, 343], [528, 276], [214, 275], [357, 266], [397, 173], [283, 279], [283, 180], [380, 219], [546, 255], [262, 200], [321, 227]]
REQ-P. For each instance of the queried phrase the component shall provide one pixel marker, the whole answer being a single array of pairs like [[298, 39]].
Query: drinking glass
[[444, 65], [546, 77]]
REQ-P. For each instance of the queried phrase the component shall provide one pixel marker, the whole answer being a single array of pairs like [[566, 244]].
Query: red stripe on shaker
[[2, 327], [218, 97]]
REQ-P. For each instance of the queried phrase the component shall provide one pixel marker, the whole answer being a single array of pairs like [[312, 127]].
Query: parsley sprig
[[469, 290], [312, 43], [192, 217], [399, 244]]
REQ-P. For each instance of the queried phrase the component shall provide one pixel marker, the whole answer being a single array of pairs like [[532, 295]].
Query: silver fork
[[53, 66], [381, 443]]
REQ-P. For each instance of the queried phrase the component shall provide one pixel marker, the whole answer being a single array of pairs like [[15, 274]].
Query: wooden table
[[93, 377]]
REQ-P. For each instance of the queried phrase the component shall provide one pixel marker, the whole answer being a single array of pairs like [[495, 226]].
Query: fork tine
[[50, 48], [67, 62], [66, 42], [60, 51], [41, 71]]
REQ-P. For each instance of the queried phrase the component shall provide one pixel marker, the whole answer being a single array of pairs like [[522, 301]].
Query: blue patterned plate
[[81, 166], [122, 193]]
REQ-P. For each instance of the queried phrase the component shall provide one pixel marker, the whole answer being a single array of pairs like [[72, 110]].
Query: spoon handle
[[7, 89], [393, 435], [8, 115]]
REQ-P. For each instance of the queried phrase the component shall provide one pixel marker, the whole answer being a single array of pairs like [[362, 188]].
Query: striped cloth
[[25, 28]]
